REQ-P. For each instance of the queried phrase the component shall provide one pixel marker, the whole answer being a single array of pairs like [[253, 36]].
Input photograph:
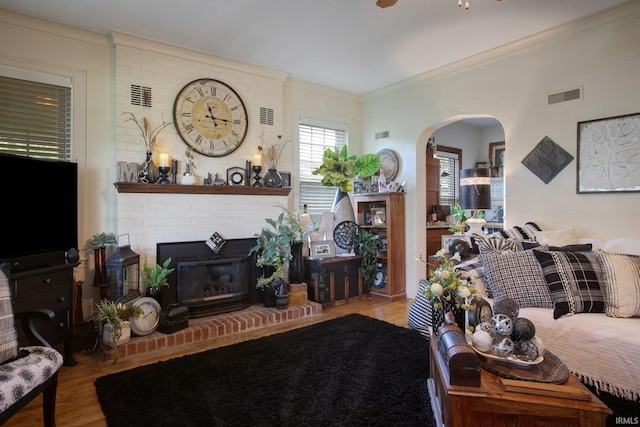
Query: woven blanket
[[599, 350]]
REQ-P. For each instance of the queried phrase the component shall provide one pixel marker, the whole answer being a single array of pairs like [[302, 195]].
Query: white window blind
[[314, 140], [449, 176], [35, 119]]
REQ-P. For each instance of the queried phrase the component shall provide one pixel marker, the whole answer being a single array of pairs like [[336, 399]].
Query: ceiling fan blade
[[386, 3]]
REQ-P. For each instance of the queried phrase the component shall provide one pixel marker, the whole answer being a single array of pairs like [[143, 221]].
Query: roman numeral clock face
[[210, 117]]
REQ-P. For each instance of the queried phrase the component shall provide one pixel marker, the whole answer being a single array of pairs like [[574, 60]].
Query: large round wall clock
[[210, 117]]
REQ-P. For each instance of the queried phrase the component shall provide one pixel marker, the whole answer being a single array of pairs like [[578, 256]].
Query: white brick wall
[[152, 218]]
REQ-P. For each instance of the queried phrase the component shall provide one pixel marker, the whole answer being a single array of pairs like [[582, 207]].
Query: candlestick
[[164, 159]]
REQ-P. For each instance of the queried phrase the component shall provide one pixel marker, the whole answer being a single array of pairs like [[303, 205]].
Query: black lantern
[[123, 275]]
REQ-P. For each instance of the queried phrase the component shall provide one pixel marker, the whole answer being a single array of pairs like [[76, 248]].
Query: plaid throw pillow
[[8, 334], [575, 281], [516, 275]]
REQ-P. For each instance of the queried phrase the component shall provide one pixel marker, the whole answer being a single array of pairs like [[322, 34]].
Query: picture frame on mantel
[[609, 155]]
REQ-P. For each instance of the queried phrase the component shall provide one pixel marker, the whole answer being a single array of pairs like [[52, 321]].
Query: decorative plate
[[345, 235], [389, 163], [378, 280]]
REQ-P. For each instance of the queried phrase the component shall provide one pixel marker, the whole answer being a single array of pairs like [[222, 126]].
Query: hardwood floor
[[77, 402]]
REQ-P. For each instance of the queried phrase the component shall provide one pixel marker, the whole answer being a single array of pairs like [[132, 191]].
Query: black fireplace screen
[[206, 282]]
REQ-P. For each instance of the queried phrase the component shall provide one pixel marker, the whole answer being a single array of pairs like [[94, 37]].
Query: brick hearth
[[217, 326]]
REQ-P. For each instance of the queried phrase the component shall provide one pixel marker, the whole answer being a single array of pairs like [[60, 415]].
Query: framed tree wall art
[[609, 155]]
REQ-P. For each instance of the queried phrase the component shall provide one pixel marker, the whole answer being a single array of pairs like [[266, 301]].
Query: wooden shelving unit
[[134, 187], [391, 261]]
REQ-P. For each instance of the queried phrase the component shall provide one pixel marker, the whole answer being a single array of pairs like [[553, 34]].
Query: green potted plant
[[116, 329], [156, 278], [298, 234], [338, 168], [368, 249], [273, 251]]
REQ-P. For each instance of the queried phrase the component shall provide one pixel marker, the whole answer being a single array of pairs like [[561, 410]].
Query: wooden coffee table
[[503, 402]]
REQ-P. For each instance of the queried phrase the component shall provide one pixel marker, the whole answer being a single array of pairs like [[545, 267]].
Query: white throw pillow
[[622, 284], [563, 237]]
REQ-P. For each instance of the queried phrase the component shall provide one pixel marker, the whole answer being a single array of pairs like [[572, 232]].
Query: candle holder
[[174, 171], [257, 169], [164, 175]]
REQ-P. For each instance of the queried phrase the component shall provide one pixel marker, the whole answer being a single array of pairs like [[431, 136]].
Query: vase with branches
[[148, 171]]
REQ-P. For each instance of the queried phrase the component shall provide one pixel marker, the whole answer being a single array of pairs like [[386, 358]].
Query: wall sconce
[[475, 194]]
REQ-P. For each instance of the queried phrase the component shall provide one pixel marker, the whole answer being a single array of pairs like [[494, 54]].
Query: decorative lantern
[[123, 275]]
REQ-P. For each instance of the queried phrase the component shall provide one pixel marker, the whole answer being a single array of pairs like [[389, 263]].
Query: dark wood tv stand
[[48, 286]]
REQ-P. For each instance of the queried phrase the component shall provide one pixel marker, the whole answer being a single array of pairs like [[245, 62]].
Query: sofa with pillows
[[582, 295]]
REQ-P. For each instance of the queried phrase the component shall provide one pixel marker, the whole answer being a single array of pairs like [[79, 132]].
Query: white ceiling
[[351, 45]]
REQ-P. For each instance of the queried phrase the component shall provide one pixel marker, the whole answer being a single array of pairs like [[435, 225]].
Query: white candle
[[257, 159], [164, 160]]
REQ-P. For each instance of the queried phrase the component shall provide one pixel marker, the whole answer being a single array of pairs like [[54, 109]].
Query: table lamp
[[475, 194]]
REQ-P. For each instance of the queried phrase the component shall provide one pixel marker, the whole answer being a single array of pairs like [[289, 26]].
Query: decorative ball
[[506, 306], [482, 340], [503, 348], [502, 324], [526, 350], [461, 246], [538, 342], [523, 329]]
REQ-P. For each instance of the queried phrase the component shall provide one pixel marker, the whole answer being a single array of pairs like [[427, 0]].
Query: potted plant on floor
[[273, 251], [368, 248], [116, 329], [156, 278]]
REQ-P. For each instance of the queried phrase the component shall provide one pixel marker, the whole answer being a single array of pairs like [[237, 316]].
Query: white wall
[[601, 55], [511, 84]]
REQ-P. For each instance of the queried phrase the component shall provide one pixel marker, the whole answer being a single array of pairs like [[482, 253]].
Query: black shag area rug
[[350, 371]]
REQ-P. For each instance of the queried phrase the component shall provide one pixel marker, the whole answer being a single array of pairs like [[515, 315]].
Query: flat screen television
[[40, 209]]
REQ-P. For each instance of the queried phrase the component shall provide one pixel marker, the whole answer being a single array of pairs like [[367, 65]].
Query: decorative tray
[[550, 370], [509, 359]]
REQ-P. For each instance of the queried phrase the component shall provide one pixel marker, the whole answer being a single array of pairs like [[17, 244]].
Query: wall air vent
[[266, 116], [141, 95], [565, 96], [382, 135]]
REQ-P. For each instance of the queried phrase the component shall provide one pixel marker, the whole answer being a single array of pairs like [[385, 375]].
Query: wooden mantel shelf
[[134, 187]]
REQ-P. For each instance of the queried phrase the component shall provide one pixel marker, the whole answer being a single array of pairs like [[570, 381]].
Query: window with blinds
[[35, 119], [314, 139], [449, 176]]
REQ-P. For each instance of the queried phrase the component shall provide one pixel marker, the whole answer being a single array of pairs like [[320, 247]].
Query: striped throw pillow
[[621, 284]]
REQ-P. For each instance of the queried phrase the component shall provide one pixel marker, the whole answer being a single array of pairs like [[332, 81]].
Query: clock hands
[[213, 117]]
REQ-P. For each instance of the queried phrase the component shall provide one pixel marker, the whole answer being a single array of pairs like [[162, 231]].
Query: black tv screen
[[40, 206]]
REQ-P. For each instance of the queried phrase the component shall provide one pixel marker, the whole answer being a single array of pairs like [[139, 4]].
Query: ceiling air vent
[[141, 95], [382, 135], [266, 116], [565, 96]]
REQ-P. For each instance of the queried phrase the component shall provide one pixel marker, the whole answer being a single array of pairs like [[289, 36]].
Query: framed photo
[[323, 249], [609, 155], [286, 179], [379, 216], [496, 154], [236, 176]]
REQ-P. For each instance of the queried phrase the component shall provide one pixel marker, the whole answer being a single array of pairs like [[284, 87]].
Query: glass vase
[[272, 178]]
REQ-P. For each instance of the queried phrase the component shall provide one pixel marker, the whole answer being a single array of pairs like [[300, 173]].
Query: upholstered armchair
[[25, 372]]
